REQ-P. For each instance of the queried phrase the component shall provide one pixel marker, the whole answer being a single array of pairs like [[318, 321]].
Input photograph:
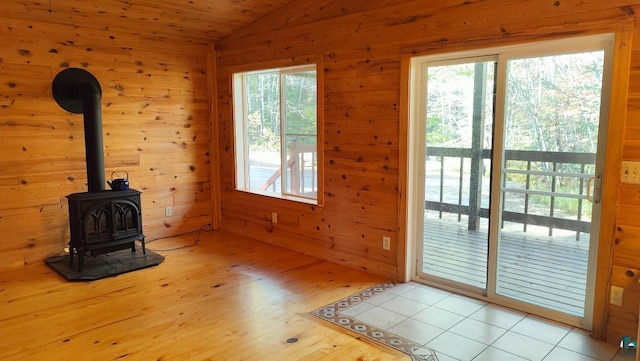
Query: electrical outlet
[[386, 243], [274, 217], [616, 295], [168, 211]]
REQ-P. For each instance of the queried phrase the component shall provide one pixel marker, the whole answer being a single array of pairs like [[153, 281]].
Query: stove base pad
[[105, 265]]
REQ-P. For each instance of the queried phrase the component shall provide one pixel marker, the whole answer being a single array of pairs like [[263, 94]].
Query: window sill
[[285, 197]]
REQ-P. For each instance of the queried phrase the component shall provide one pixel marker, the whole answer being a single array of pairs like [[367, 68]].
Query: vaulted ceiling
[[192, 20]]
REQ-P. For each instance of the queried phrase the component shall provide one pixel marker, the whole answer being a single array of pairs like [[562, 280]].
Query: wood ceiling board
[[203, 20]]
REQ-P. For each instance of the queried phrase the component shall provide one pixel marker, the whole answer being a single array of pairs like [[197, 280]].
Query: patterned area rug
[[333, 313]]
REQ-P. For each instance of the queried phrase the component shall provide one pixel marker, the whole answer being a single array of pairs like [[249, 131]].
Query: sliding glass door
[[506, 172]]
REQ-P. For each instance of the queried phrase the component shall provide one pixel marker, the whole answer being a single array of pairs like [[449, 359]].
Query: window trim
[[239, 116]]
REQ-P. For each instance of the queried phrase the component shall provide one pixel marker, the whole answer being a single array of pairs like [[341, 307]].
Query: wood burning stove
[[100, 220], [103, 222]]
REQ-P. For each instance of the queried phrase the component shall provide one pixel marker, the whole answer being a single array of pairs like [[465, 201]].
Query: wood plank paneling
[[157, 107], [155, 126], [179, 24], [361, 52]]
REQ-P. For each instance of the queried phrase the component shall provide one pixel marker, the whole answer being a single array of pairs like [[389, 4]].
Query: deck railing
[[301, 169], [532, 164]]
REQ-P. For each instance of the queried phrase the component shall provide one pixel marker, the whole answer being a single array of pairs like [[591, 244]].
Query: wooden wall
[[155, 108], [360, 48], [156, 114], [626, 251]]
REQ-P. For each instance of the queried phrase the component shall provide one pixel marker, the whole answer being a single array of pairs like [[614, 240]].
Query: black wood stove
[[103, 222], [100, 220]]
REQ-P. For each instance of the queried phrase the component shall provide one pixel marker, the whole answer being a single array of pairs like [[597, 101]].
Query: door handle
[[593, 182]]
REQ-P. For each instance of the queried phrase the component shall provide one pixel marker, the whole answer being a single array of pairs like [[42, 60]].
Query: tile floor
[[462, 328]]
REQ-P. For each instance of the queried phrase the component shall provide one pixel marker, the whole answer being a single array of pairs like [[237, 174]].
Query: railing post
[[582, 168], [441, 184], [294, 165], [475, 181], [526, 196], [552, 203], [460, 183]]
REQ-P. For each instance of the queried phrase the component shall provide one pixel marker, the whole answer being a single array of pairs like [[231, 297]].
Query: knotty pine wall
[[155, 108], [361, 49]]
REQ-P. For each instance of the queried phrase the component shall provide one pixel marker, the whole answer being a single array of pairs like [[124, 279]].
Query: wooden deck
[[548, 271]]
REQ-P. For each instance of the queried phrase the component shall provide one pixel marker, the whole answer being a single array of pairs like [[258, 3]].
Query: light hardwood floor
[[228, 298]]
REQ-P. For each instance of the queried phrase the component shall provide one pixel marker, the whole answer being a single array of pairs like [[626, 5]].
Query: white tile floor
[[462, 328]]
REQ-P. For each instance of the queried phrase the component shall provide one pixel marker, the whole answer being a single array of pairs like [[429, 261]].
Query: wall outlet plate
[[630, 172], [616, 295], [386, 243], [168, 211]]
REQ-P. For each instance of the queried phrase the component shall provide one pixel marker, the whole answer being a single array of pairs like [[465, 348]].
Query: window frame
[[241, 141]]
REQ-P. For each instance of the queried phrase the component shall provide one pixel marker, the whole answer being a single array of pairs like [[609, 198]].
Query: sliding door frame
[[610, 182]]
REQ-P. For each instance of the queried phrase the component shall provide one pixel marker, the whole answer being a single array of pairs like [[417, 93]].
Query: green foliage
[[263, 101], [301, 103], [552, 104], [261, 137], [262, 109], [450, 102]]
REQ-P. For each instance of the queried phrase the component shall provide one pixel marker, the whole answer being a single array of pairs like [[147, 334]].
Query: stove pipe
[[77, 91], [94, 149]]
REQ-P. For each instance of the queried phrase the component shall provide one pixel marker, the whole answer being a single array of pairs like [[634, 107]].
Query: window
[[276, 132]]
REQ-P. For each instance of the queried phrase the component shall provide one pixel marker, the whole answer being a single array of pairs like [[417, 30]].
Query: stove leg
[[80, 261]]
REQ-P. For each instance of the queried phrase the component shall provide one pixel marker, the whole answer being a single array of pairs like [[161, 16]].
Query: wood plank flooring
[[227, 298], [550, 271]]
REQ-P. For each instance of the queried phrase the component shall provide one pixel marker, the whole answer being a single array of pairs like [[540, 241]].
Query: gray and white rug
[[334, 313]]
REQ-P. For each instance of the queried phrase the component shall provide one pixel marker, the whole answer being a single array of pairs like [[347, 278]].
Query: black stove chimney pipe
[[94, 149], [77, 91]]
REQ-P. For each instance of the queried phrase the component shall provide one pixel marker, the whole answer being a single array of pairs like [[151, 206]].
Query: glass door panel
[[459, 127], [551, 123]]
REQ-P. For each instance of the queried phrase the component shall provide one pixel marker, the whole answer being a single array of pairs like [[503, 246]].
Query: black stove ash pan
[[78, 91]]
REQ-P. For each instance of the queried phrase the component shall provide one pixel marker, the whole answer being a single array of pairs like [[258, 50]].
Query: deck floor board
[[550, 271]]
